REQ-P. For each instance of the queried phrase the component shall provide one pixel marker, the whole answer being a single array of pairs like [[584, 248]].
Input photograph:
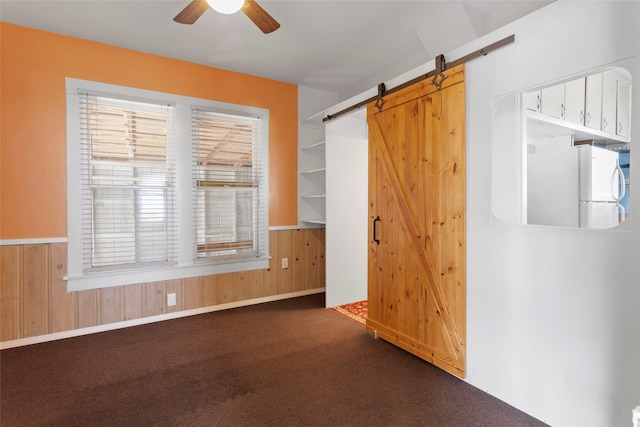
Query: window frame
[[186, 265]]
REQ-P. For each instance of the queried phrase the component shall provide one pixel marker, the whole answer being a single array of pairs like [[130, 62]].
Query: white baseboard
[[152, 319]]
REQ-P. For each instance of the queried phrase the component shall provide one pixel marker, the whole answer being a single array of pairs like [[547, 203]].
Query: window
[[128, 205], [227, 175], [162, 186]]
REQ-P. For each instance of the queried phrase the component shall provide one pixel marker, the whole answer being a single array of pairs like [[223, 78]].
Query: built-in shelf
[[313, 146], [311, 175], [312, 171], [319, 221]]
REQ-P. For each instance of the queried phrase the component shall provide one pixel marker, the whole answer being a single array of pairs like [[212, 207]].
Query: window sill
[[130, 277]]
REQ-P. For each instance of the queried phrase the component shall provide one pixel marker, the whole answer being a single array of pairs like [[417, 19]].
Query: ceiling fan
[[257, 14]]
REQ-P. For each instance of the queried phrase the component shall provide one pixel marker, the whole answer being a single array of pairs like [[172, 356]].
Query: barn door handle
[[375, 230]]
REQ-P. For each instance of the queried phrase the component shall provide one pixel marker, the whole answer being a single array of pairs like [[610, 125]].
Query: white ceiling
[[344, 47]]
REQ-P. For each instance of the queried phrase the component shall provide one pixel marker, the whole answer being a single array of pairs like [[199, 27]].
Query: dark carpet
[[286, 363]]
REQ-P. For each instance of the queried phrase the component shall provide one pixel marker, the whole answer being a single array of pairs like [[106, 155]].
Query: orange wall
[[34, 65]]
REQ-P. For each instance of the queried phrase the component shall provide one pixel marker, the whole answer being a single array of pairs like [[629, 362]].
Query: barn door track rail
[[437, 75]]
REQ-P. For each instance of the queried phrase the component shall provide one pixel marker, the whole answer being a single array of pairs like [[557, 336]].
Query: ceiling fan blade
[[260, 17], [192, 12]]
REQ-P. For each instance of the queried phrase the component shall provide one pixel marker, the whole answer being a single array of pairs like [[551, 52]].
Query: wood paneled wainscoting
[[35, 305]]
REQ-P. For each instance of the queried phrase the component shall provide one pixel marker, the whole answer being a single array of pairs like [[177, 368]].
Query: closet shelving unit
[[311, 179]]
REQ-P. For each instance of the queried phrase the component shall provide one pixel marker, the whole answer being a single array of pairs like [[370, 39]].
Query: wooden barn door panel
[[417, 270]]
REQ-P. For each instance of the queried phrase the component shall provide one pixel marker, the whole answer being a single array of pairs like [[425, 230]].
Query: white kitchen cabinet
[[532, 100], [552, 103], [574, 100], [593, 101], [599, 104], [564, 101], [623, 109], [609, 102]]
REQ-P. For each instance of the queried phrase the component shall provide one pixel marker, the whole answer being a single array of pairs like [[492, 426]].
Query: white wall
[[553, 314], [311, 101], [347, 196]]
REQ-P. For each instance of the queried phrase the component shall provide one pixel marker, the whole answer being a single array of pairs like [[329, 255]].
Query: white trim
[[34, 241], [152, 319], [130, 277], [294, 227], [45, 240]]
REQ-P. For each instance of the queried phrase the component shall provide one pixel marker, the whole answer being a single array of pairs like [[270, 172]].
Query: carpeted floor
[[287, 363]]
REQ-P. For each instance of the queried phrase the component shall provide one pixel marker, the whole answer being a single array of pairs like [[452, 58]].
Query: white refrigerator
[[578, 186]]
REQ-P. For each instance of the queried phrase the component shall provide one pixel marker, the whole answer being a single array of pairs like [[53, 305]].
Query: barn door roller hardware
[[436, 75], [439, 76], [382, 91]]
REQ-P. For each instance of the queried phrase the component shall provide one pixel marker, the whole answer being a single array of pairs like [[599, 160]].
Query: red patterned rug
[[356, 311]]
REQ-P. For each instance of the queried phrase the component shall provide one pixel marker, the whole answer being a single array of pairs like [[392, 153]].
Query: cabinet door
[[574, 97], [532, 101], [609, 102], [553, 101], [623, 110], [593, 101]]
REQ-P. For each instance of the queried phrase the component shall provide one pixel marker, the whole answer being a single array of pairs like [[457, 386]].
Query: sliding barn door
[[417, 249]]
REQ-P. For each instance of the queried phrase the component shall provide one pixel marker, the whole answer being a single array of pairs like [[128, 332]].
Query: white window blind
[[228, 185], [128, 184]]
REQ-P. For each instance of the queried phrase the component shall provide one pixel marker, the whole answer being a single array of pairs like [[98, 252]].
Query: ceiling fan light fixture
[[226, 7]]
